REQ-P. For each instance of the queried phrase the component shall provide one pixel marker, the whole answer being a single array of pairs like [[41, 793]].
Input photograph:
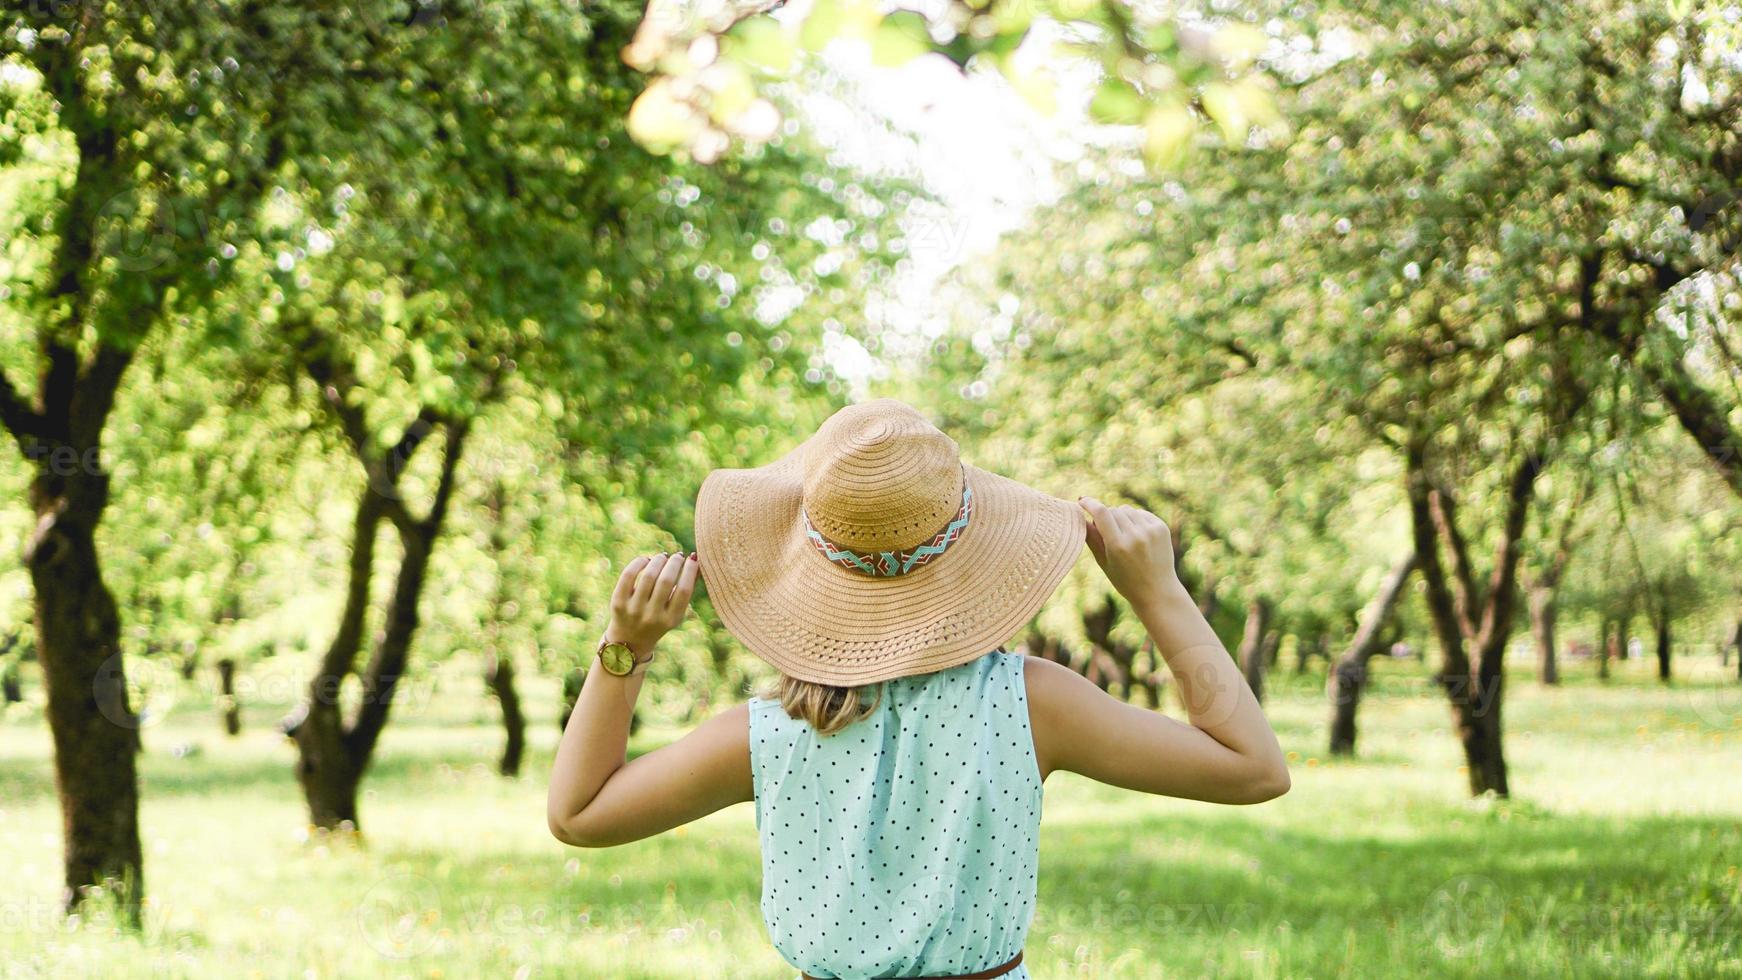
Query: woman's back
[[872, 557], [906, 844]]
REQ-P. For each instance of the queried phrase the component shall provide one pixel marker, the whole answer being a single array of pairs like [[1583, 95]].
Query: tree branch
[[1496, 624], [17, 416], [1424, 535], [94, 395], [1466, 600]]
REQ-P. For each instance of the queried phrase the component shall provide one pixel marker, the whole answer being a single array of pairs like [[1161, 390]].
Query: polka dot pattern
[[907, 844]]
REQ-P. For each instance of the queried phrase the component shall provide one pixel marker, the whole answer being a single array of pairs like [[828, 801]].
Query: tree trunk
[[1609, 647], [500, 676], [59, 433], [1349, 675], [1112, 663], [719, 644], [1663, 648], [1252, 656], [326, 768], [333, 754], [1155, 678], [499, 672], [1208, 598], [1051, 648], [96, 733], [1542, 626], [572, 682], [227, 696], [1736, 641], [1472, 628], [1478, 721]]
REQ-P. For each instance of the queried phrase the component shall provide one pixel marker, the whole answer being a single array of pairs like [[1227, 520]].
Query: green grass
[[1617, 857]]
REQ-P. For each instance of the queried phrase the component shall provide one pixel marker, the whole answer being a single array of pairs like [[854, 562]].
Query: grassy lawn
[[1618, 857]]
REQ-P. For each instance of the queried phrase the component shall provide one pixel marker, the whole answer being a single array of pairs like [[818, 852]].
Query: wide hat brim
[[818, 621]]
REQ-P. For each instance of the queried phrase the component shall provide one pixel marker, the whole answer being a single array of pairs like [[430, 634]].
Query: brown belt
[[997, 971]]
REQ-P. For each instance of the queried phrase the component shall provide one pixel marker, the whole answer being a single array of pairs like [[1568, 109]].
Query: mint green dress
[[907, 844]]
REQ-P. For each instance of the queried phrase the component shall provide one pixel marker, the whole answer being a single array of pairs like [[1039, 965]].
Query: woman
[[897, 765]]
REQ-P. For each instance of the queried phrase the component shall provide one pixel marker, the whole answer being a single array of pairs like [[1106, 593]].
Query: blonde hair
[[826, 707]]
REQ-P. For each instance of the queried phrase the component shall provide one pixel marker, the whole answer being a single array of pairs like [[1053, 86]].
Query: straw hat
[[872, 552]]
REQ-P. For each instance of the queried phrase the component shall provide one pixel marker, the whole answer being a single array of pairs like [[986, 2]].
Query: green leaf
[[822, 26], [1161, 39], [830, 19], [1012, 18], [1007, 42], [1116, 103], [901, 37], [761, 42], [1224, 106], [658, 120], [732, 94], [1167, 135]]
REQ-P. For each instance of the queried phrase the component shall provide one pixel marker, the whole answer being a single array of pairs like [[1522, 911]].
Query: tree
[[1348, 676], [1471, 220], [1542, 585], [531, 253], [117, 121]]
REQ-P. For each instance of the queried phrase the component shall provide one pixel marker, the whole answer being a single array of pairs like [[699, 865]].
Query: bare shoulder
[[1057, 696], [1053, 686]]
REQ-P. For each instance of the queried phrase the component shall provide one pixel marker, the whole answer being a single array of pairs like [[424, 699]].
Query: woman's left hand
[[650, 600]]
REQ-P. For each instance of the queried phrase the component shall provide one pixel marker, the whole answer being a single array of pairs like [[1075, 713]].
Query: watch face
[[617, 658]]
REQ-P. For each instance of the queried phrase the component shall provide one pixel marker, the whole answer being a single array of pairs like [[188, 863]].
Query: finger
[[626, 581], [1097, 547], [663, 585], [686, 581], [1105, 521], [1099, 515], [1119, 518], [1112, 522], [649, 574]]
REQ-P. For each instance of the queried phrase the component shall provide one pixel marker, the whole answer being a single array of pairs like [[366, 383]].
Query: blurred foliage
[[1483, 211], [484, 213], [442, 205], [1161, 71]]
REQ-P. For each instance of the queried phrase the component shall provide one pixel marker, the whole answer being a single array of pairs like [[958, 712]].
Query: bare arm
[[1227, 754], [597, 799]]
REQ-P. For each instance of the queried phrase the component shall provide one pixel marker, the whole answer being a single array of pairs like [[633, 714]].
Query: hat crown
[[879, 477]]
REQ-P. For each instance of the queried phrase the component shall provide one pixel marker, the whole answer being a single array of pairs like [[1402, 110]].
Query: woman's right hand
[[1134, 548], [1227, 754]]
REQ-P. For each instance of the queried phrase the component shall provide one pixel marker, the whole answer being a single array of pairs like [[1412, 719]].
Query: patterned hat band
[[888, 564]]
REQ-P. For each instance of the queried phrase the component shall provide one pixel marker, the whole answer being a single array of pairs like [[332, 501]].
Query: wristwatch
[[617, 659]]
